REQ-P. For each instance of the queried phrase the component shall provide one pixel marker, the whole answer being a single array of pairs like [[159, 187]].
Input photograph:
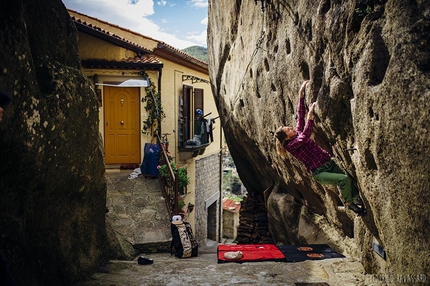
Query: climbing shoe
[[355, 208], [358, 202], [142, 260]]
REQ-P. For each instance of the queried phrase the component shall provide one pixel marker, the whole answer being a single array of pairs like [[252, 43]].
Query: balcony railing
[[197, 140]]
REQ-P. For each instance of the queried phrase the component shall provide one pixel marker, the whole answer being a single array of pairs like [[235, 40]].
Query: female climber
[[316, 160]]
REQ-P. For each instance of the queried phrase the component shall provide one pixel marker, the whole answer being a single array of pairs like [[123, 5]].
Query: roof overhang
[[170, 53], [98, 33], [104, 64]]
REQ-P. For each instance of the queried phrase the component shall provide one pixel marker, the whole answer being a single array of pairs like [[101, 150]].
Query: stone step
[[137, 210]]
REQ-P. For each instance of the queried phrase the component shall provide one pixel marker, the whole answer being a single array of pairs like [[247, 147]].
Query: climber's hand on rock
[[302, 88], [311, 111]]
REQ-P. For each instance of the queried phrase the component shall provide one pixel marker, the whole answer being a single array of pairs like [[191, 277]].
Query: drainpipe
[[220, 185], [160, 71], [159, 91]]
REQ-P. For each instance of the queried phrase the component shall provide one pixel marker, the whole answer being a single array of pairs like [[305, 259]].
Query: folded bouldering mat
[[296, 253], [248, 253]]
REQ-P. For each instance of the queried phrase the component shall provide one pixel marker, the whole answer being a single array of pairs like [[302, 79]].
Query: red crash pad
[[251, 252]]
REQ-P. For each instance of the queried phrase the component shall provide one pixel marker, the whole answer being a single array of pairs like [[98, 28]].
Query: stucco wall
[[93, 48], [171, 92]]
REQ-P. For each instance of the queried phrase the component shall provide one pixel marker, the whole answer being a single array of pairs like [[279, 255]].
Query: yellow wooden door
[[122, 126]]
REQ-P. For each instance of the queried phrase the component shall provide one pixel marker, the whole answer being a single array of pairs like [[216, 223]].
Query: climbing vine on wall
[[154, 109]]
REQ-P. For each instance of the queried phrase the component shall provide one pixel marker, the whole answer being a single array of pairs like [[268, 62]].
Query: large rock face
[[369, 68], [52, 182]]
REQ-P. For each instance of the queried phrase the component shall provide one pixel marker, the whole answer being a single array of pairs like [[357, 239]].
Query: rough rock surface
[[369, 68], [52, 182]]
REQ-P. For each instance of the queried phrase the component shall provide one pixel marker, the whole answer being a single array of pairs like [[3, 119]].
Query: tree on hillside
[[198, 52]]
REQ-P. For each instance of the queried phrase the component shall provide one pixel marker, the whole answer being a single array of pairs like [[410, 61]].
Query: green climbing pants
[[331, 174]]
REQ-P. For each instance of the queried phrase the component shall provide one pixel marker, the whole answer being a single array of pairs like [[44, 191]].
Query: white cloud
[[141, 8], [162, 3], [204, 21], [130, 14], [201, 39], [199, 3], [148, 28]]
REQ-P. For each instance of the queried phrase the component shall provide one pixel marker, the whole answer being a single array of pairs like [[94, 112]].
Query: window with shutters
[[198, 99], [192, 123]]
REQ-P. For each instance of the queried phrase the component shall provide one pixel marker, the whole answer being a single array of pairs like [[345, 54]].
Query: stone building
[[230, 218]]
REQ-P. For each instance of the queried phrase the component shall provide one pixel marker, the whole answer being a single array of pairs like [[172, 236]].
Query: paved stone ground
[[205, 270], [132, 208]]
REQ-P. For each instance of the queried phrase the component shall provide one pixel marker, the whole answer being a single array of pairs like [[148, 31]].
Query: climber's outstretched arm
[[301, 107]]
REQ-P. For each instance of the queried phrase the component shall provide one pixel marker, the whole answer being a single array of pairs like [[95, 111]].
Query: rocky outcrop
[[52, 182], [368, 63]]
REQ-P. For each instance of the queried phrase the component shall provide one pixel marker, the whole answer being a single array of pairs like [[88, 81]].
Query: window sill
[[192, 151]]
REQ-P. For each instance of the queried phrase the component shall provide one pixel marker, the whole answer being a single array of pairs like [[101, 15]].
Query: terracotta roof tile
[[107, 33], [145, 59], [230, 205]]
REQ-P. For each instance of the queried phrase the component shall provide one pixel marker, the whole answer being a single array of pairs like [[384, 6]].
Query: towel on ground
[[136, 173]]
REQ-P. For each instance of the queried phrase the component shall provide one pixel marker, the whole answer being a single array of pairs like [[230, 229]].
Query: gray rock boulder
[[52, 182], [368, 63]]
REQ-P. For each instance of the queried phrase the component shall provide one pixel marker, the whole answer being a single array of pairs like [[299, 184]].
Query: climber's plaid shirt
[[303, 147]]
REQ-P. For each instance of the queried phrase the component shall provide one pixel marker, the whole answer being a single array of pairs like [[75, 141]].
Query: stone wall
[[230, 221], [52, 182], [368, 63], [207, 198]]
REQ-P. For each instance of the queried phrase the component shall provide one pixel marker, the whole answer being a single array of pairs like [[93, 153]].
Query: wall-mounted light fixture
[[129, 83], [146, 78]]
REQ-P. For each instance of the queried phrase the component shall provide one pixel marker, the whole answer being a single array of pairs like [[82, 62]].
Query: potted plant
[[183, 178], [180, 172], [190, 207], [153, 107]]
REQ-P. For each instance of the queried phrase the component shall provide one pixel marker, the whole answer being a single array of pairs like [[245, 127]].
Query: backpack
[[183, 243]]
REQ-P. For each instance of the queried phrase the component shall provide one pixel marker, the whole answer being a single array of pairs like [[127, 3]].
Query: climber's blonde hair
[[281, 139]]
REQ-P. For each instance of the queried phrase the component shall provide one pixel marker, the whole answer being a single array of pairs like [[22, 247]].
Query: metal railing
[[170, 184]]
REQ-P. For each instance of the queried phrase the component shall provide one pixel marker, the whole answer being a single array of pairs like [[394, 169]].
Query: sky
[[179, 23]]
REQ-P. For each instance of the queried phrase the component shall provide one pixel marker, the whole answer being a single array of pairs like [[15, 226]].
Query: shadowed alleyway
[[137, 210]]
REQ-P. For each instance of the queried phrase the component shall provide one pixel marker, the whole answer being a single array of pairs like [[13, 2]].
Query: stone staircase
[[137, 217]]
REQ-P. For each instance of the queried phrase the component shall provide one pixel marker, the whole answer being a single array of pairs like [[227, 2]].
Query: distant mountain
[[198, 52]]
